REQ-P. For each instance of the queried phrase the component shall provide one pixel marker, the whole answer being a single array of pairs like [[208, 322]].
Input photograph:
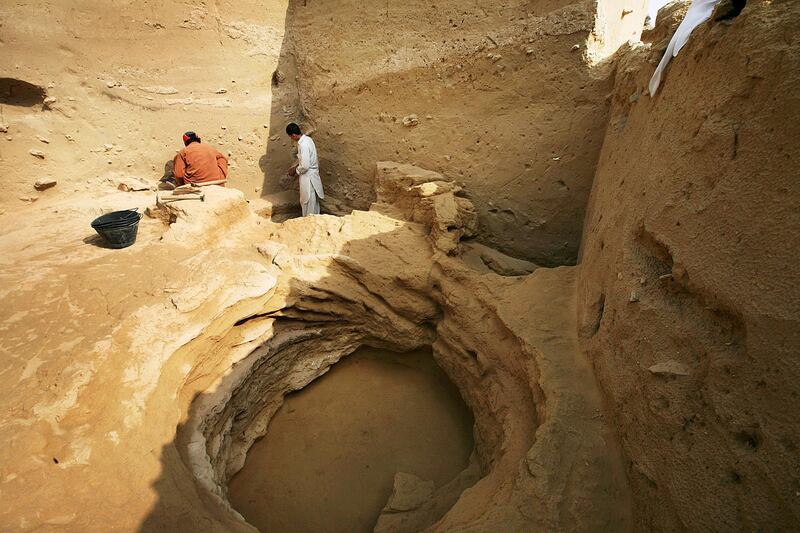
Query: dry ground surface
[[652, 386]]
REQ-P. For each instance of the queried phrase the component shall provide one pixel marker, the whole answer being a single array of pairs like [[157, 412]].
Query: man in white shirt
[[307, 170]]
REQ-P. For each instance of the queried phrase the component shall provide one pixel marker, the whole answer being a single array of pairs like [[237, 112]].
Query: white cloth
[[698, 12], [308, 170], [311, 207]]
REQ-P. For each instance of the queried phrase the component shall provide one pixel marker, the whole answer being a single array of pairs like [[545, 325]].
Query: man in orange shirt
[[199, 163]]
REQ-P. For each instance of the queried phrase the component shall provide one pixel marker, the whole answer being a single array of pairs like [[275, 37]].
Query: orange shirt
[[198, 163]]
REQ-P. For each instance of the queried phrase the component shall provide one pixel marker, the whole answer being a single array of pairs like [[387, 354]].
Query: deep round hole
[[330, 454]]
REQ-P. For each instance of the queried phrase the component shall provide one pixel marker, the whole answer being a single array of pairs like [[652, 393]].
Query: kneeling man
[[199, 163]]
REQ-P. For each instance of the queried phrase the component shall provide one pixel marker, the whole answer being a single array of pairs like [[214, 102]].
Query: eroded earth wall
[[499, 96], [688, 298]]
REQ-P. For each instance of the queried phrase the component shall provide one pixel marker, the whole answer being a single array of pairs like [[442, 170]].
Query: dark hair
[[293, 129], [190, 137]]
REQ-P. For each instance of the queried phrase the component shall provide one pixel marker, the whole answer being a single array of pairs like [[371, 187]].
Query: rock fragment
[[3, 128], [410, 121], [36, 153], [44, 183], [45, 140]]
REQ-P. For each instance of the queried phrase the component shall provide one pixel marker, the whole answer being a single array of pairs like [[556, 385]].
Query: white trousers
[[311, 207]]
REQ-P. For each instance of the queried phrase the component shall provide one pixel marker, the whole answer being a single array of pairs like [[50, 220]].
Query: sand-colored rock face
[[688, 282], [503, 99], [651, 387]]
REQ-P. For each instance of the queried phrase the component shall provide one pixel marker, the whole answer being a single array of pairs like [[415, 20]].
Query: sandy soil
[[126, 79], [330, 454], [651, 387]]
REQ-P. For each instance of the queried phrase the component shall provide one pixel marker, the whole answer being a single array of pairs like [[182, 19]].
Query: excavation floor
[[331, 452]]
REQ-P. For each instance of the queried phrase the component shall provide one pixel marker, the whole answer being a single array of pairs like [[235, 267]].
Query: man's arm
[[222, 163], [303, 159], [179, 168]]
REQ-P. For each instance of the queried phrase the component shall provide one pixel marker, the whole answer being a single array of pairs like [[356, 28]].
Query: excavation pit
[[331, 452]]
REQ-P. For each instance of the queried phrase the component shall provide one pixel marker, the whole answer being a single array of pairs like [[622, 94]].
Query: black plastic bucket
[[119, 228], [116, 218]]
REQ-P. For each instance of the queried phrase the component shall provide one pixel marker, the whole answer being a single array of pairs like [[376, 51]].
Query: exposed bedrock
[[688, 296]]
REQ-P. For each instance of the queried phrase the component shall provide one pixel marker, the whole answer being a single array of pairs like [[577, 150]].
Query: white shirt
[[699, 12], [308, 169]]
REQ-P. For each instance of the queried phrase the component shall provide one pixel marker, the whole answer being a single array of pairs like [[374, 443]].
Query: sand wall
[[688, 299], [498, 96]]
